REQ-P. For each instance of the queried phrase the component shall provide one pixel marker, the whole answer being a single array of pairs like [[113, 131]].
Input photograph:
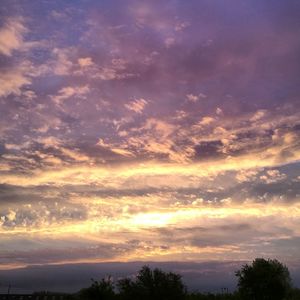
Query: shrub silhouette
[[264, 280], [152, 284]]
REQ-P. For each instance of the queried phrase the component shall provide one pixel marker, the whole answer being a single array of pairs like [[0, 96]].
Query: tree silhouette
[[264, 280], [99, 290], [152, 284]]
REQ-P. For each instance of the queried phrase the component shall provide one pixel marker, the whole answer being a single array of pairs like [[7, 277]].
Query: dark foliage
[[152, 284], [99, 290], [264, 280], [199, 296], [293, 295]]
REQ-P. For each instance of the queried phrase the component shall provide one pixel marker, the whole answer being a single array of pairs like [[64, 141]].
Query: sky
[[149, 131]]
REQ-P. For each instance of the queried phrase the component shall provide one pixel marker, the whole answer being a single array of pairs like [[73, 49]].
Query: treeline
[[261, 280]]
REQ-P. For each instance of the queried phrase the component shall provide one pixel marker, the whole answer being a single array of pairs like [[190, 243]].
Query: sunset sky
[[163, 131]]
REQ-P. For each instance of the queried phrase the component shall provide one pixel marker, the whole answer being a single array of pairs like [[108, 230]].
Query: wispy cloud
[[12, 36], [70, 91], [85, 61], [137, 105], [12, 81]]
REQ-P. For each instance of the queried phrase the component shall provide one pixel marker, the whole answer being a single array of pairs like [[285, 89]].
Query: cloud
[[170, 41], [137, 105], [169, 232], [155, 138], [106, 74], [11, 36], [219, 111], [12, 81], [163, 129], [203, 168], [75, 155], [258, 115], [112, 69], [273, 176], [62, 65], [192, 98], [68, 254], [208, 149], [182, 25], [60, 152], [206, 121], [217, 143], [85, 62], [119, 151], [246, 175], [71, 91]]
